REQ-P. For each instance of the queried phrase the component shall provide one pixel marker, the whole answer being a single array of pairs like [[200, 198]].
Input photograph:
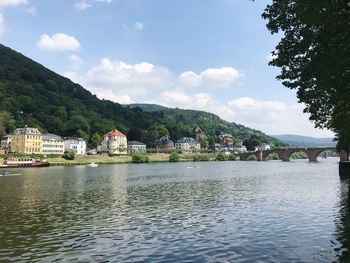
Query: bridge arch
[[245, 156], [315, 153], [267, 153], [296, 150]]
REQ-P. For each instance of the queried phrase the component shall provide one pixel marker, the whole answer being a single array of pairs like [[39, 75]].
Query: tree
[[69, 155], [174, 157], [314, 57], [135, 134], [95, 138]]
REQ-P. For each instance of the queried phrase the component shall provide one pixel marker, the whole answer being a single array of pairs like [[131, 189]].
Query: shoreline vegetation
[[144, 158]]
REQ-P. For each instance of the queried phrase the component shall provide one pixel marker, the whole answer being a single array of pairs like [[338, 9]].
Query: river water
[[175, 212]]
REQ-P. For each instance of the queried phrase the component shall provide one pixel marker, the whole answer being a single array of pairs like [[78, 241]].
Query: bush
[[231, 157], [69, 155], [140, 158], [200, 158], [174, 157], [221, 157]]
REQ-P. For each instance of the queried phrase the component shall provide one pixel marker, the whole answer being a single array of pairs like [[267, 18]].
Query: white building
[[53, 144], [113, 142], [6, 142], [76, 144], [239, 147], [187, 145], [265, 147], [136, 147]]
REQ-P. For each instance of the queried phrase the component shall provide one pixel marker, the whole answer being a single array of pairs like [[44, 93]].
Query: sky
[[209, 55]]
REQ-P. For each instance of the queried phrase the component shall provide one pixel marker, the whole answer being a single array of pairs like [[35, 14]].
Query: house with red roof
[[113, 142]]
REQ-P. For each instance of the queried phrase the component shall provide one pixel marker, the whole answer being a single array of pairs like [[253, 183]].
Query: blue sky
[[208, 55]]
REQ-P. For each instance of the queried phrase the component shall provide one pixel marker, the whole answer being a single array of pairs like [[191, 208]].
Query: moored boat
[[92, 165], [23, 162]]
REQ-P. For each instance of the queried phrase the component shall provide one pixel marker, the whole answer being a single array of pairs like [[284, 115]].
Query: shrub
[[174, 157], [140, 158], [201, 158], [231, 157], [196, 158], [221, 157], [69, 155]]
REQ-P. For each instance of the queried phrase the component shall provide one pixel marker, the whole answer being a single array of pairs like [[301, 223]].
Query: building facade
[[187, 145], [239, 147], [53, 144], [165, 143], [136, 147], [113, 142], [265, 147], [27, 140], [6, 142], [76, 144]]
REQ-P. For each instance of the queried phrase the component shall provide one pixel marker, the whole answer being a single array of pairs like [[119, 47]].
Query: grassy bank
[[121, 159], [104, 159]]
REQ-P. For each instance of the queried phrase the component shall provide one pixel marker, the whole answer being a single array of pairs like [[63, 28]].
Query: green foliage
[[272, 156], [231, 157], [299, 155], [69, 155], [174, 157], [221, 157], [251, 157], [140, 158], [313, 55], [95, 138], [201, 158]]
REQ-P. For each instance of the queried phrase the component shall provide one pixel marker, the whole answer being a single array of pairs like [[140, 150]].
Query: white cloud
[[2, 25], [144, 82], [59, 42], [212, 78], [198, 101], [77, 62], [31, 10], [274, 117], [139, 25], [116, 79], [12, 2], [271, 117], [82, 5]]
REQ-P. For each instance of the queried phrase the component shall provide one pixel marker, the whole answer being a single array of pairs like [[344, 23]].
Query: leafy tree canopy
[[314, 57]]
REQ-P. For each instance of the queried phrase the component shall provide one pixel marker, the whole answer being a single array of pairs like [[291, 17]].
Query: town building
[[264, 147], [53, 144], [27, 140], [76, 144], [227, 142], [239, 147], [113, 142], [165, 143], [6, 142], [136, 147], [187, 145]]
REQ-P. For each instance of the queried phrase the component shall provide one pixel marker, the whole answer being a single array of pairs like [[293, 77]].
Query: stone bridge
[[285, 153]]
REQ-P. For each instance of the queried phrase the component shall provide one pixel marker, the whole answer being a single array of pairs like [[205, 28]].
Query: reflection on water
[[342, 243], [222, 211]]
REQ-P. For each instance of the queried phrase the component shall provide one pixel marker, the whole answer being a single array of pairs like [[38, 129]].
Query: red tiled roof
[[114, 133]]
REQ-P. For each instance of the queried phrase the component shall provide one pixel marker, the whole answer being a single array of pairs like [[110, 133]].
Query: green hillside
[[32, 95]]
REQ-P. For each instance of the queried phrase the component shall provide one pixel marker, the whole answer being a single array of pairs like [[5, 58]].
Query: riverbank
[[104, 159], [122, 159]]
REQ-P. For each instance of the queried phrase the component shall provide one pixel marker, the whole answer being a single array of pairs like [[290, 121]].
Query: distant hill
[[305, 141], [33, 95]]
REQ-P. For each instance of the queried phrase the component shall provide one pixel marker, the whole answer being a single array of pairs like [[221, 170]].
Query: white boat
[[92, 165]]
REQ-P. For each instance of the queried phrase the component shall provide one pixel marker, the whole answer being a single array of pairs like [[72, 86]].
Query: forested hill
[[30, 94]]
